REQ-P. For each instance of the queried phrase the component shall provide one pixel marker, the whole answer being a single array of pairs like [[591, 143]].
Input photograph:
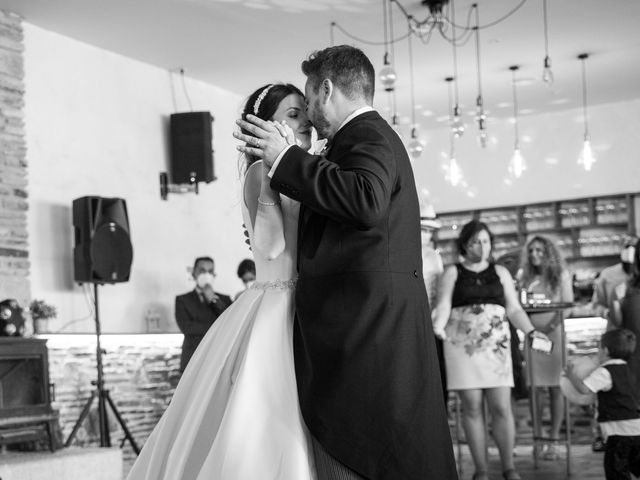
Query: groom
[[365, 359]]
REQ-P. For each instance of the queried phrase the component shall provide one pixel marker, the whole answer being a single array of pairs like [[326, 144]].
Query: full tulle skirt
[[235, 413]]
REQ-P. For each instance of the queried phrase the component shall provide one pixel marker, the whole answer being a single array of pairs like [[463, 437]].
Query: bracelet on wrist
[[268, 204]]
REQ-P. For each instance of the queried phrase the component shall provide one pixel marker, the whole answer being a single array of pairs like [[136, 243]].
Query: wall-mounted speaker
[[191, 147], [103, 252]]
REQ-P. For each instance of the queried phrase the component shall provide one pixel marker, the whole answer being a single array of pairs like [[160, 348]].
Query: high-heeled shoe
[[511, 474]]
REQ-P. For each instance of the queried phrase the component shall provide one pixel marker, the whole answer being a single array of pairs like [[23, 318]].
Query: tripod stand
[[103, 397]]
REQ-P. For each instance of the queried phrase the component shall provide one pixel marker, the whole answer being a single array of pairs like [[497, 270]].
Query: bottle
[[523, 296]]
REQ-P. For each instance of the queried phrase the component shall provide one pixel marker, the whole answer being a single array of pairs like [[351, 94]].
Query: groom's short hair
[[346, 66]]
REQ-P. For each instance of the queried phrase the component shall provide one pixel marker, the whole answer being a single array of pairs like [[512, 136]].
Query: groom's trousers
[[329, 468]]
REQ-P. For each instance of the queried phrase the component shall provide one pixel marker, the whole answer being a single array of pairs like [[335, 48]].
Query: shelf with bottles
[[539, 218], [501, 222], [584, 229], [451, 225]]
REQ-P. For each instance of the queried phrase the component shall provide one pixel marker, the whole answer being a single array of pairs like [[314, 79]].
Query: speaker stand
[[103, 396]]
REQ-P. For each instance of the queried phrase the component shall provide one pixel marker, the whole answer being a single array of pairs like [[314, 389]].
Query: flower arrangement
[[41, 310]]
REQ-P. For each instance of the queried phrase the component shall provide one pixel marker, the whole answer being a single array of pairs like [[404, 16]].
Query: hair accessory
[[256, 106]]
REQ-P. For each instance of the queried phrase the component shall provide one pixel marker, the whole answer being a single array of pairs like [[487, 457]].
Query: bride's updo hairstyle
[[263, 103]]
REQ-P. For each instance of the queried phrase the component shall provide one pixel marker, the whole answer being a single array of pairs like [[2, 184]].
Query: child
[[618, 415]]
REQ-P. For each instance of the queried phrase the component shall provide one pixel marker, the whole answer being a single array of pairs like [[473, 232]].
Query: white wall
[[551, 145], [97, 124]]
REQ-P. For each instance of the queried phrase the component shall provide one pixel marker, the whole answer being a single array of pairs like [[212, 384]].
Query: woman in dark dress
[[475, 297]]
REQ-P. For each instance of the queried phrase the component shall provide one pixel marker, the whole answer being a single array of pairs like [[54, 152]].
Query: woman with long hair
[[543, 271]]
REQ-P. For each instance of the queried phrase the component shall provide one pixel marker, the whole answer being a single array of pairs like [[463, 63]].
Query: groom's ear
[[326, 90]]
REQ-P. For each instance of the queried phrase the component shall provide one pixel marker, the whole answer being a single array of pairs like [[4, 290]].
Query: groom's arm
[[354, 188]]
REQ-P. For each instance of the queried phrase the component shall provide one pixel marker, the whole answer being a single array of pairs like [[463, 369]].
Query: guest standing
[[197, 310], [543, 271], [610, 278], [475, 297]]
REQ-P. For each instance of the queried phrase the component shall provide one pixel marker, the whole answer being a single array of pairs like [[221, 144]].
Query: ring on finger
[[257, 142]]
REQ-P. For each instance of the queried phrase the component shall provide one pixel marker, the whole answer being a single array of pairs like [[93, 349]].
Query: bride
[[235, 413]]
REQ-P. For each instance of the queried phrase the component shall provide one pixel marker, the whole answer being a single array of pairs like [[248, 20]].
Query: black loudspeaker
[[191, 147], [102, 251]]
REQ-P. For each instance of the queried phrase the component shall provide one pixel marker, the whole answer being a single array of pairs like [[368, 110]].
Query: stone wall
[[140, 372], [14, 253]]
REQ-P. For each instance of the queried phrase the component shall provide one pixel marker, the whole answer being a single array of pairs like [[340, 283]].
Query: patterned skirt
[[477, 351]]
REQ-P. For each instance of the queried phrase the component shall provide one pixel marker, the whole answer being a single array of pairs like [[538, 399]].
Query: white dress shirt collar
[[353, 115]]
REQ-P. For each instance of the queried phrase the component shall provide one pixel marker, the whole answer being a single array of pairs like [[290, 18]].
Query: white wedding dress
[[235, 413]]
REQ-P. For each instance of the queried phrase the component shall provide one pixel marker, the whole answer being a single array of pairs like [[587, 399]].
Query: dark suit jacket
[[194, 318], [366, 364]]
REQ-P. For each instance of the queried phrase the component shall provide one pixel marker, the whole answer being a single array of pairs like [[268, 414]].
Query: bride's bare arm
[[265, 212]]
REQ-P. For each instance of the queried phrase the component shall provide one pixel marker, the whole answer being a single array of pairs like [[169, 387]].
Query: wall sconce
[[166, 188]]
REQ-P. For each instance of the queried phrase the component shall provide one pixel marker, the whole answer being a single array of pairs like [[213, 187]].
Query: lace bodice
[[477, 287], [279, 271]]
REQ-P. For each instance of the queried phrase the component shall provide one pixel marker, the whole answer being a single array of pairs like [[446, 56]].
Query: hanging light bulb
[[455, 173], [388, 77], [387, 73], [481, 116], [517, 164], [586, 158], [547, 74], [415, 147], [483, 137], [457, 125], [395, 125]]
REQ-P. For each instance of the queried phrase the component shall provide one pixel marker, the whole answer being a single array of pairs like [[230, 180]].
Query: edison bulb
[[388, 78]]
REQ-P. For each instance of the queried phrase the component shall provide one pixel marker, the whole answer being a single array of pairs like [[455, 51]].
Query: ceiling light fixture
[[547, 74], [517, 165], [454, 171], [415, 146], [586, 158], [387, 73], [457, 125], [481, 116]]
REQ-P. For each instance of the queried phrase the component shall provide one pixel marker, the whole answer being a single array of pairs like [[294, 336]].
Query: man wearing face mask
[[197, 310], [610, 278]]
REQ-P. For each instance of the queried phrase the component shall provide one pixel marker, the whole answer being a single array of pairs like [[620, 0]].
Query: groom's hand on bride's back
[[262, 139]]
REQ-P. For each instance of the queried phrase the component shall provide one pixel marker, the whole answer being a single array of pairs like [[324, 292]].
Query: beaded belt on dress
[[275, 285]]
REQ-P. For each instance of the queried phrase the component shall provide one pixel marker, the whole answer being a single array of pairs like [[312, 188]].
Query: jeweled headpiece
[[256, 106]]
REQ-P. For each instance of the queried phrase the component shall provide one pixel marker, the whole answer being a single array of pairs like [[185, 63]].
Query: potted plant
[[41, 312]]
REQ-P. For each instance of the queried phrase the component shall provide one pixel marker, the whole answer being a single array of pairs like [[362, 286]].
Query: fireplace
[[25, 392]]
